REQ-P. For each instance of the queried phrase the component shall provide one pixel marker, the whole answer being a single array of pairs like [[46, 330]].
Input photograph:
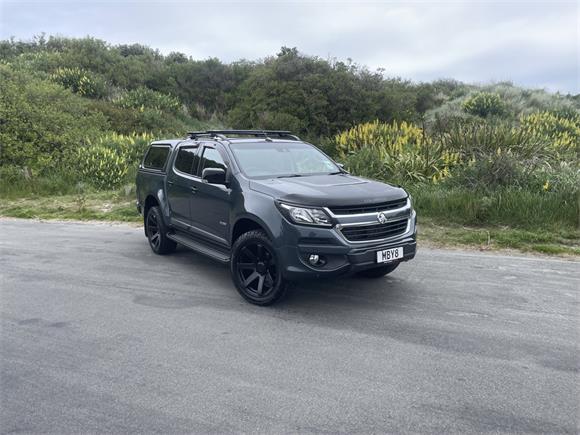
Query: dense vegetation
[[76, 114]]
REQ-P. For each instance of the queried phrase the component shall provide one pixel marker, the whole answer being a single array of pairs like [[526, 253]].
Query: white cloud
[[532, 43]]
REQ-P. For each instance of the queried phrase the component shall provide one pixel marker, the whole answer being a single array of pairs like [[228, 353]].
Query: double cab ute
[[273, 207]]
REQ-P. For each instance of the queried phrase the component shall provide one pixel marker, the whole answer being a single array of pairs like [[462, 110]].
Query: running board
[[202, 248]]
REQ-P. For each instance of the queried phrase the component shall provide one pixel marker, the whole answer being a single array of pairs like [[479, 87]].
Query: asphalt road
[[100, 335]]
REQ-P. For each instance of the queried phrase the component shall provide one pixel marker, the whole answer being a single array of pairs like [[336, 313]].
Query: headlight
[[305, 215]]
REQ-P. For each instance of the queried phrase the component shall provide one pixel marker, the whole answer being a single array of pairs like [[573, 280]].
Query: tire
[[156, 232], [378, 272], [255, 269]]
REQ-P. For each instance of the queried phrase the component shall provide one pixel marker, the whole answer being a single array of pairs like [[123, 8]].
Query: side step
[[202, 248]]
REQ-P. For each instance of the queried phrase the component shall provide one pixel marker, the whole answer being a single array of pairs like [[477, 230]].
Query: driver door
[[213, 201]]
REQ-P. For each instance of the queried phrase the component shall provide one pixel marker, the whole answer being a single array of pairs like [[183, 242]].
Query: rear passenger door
[[181, 185], [212, 203]]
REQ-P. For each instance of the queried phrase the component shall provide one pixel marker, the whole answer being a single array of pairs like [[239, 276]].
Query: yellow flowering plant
[[398, 151]]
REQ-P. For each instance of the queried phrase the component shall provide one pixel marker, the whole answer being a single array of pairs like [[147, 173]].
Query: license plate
[[388, 255]]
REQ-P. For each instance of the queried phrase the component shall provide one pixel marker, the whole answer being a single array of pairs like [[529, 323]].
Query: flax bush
[[493, 153], [562, 133], [484, 104], [101, 166], [395, 151], [144, 98], [129, 147]]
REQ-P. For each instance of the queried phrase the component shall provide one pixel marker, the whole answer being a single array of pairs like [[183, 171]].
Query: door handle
[[193, 189], [170, 182]]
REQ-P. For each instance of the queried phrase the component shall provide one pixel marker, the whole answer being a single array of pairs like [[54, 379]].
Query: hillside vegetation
[[76, 114]]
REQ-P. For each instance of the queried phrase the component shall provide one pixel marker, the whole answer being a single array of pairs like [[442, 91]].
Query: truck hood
[[328, 190]]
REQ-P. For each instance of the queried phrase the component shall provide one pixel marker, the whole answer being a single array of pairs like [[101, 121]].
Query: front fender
[[256, 220]]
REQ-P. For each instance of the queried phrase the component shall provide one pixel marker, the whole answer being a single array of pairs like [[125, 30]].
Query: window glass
[[272, 159], [186, 160], [156, 157], [212, 159]]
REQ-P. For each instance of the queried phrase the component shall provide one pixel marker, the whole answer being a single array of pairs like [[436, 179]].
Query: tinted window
[[156, 157], [275, 159], [212, 159], [186, 160]]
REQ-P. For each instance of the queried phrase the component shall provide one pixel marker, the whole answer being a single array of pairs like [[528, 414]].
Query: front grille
[[369, 208], [362, 233]]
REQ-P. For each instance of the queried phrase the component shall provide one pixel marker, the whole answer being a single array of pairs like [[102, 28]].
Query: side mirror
[[214, 175], [341, 166]]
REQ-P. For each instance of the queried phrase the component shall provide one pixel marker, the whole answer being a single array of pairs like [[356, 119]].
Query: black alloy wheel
[[255, 270], [153, 232], [157, 233]]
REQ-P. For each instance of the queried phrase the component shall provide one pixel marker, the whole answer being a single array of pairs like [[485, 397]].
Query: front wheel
[[378, 272], [255, 269]]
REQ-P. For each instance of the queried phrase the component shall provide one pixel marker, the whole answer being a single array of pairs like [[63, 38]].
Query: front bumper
[[342, 257]]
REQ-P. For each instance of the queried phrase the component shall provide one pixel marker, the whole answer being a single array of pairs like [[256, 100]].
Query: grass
[[435, 228], [551, 242], [508, 218], [513, 207], [102, 206]]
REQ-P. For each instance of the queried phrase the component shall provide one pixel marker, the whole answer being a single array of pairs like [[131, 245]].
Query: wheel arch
[[150, 201], [247, 223]]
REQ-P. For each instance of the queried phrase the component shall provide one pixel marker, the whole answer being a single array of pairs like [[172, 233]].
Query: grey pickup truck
[[273, 207]]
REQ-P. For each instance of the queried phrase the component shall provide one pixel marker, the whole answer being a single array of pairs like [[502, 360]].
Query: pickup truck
[[273, 207]]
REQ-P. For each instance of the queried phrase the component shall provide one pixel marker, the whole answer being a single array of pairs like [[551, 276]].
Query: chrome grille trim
[[376, 225], [391, 212], [366, 209]]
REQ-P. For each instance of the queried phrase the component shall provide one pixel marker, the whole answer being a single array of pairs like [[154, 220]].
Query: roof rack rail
[[223, 134], [196, 134]]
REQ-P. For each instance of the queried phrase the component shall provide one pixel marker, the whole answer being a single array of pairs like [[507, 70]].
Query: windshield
[[276, 159]]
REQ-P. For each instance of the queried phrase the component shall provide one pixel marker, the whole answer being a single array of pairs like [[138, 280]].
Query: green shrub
[[145, 98], [84, 83], [10, 175], [562, 178], [128, 121], [41, 122], [515, 102], [484, 104], [367, 162], [280, 121], [38, 62], [153, 120], [123, 121], [18, 182], [101, 166]]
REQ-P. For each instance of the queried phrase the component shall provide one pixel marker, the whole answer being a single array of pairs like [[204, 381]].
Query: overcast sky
[[535, 44]]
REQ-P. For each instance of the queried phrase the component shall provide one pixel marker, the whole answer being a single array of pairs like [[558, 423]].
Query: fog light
[[316, 260]]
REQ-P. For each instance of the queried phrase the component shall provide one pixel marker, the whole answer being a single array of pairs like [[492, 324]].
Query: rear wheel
[[157, 232], [255, 269], [378, 272]]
